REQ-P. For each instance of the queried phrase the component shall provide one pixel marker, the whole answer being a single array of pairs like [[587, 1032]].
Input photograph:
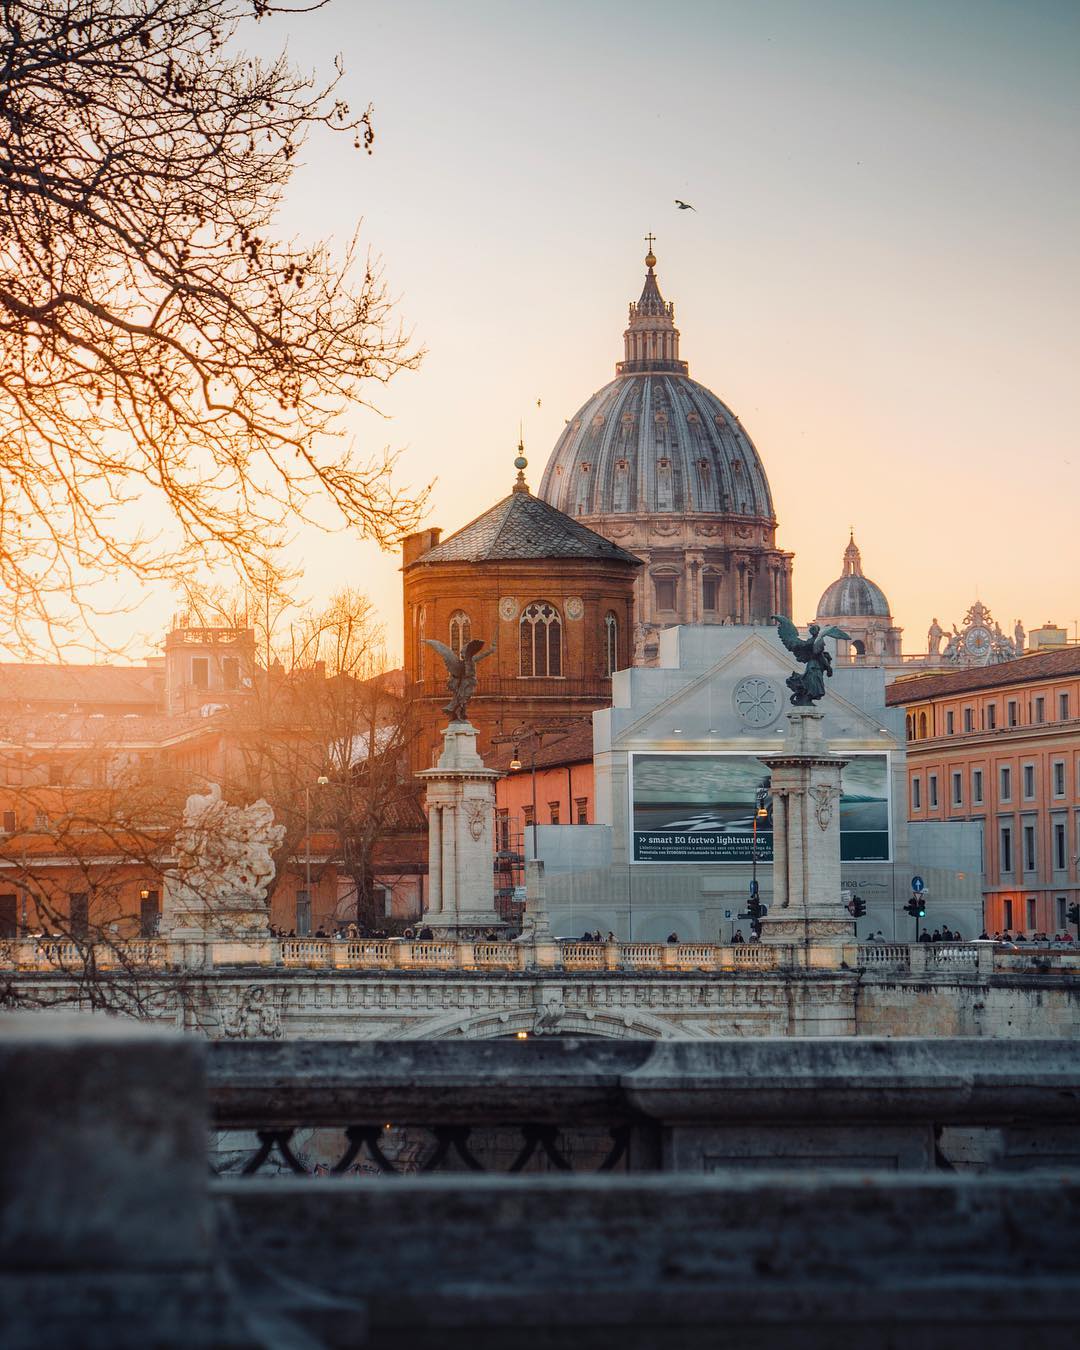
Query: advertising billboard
[[701, 808]]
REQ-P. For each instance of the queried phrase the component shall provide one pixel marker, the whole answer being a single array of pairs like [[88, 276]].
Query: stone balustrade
[[498, 955]]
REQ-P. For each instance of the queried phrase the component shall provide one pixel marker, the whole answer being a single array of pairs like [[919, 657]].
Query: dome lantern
[[651, 340]]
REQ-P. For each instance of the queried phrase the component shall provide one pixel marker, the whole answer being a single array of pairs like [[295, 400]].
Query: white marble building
[[720, 690]]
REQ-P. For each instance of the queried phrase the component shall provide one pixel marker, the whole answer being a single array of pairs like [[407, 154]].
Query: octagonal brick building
[[657, 463]]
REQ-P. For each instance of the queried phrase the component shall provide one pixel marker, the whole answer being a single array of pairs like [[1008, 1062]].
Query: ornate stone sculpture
[[933, 637], [808, 685], [224, 864], [461, 672]]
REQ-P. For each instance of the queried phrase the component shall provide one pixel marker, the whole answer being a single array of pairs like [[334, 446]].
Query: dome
[[852, 595], [654, 440]]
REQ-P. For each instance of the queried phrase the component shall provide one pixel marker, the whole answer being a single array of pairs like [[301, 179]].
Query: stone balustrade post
[[465, 955], [985, 958], [613, 956], [917, 958], [669, 956], [107, 1226], [548, 955], [404, 955]]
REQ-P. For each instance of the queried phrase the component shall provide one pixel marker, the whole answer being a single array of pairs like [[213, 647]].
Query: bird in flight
[[684, 206]]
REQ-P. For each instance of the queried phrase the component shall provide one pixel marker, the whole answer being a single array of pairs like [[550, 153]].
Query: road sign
[[727, 913], [917, 884]]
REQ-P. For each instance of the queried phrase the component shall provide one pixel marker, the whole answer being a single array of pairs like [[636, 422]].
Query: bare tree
[[162, 353]]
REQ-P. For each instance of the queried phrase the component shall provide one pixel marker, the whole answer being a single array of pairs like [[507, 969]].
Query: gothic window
[[667, 592], [611, 643], [460, 630], [540, 640], [421, 633]]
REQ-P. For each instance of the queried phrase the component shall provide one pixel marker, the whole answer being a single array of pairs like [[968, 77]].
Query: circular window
[[757, 701]]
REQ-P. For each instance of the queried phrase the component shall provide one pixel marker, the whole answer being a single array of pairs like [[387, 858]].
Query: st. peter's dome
[[657, 463], [852, 595]]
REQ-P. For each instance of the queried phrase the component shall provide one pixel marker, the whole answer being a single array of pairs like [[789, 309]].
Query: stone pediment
[[739, 701]]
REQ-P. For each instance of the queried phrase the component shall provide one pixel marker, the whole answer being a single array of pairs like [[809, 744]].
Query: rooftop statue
[[808, 685], [461, 672]]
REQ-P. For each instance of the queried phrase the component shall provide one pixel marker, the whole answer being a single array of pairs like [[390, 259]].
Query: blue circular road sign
[[918, 885]]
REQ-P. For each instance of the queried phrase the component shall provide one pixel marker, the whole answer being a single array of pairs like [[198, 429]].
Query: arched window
[[611, 643], [540, 639], [421, 633], [909, 726], [922, 726], [460, 630]]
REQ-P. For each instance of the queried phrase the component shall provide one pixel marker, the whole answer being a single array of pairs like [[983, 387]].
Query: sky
[[881, 275]]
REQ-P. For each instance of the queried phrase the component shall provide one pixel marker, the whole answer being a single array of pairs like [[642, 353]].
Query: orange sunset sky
[[880, 276]]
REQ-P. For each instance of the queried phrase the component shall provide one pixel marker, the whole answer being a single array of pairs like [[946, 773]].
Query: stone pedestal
[[461, 816], [806, 906]]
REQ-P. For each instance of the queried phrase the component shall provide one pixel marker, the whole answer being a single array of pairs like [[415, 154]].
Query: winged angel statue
[[808, 686], [461, 674]]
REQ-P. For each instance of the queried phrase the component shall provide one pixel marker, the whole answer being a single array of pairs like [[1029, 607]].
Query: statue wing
[[473, 647], [833, 631], [789, 634], [453, 662]]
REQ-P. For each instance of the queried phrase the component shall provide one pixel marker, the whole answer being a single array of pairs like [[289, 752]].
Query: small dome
[[852, 595]]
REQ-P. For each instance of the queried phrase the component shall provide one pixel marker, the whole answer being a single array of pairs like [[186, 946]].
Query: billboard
[[688, 807]]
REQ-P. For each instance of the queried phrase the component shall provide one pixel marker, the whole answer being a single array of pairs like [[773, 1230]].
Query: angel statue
[[808, 686], [461, 670]]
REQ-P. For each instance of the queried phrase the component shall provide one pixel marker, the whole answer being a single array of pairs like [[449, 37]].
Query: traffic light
[[856, 907], [915, 908], [921, 910]]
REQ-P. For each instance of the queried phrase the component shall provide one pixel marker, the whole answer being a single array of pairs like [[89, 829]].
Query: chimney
[[415, 545]]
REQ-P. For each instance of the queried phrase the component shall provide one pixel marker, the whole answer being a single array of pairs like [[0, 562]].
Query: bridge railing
[[961, 959]]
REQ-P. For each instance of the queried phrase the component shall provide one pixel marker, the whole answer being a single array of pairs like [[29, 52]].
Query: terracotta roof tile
[[1035, 666], [576, 747], [30, 683]]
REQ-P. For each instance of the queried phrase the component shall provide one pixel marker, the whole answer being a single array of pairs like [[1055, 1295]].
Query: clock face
[[977, 640]]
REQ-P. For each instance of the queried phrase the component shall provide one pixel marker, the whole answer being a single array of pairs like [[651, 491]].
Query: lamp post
[[515, 765], [321, 781]]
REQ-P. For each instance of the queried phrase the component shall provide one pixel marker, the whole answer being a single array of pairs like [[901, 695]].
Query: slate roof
[[521, 527], [1049, 665], [573, 747]]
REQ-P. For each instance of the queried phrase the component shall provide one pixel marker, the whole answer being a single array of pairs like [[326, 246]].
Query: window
[[922, 726], [1005, 783], [230, 672], [460, 630], [1013, 713], [710, 591], [1006, 852], [1029, 782], [149, 914], [991, 717], [611, 643], [916, 794], [56, 775], [41, 820], [540, 640], [10, 822], [969, 719], [1040, 710], [1006, 906], [303, 914], [502, 829], [581, 810], [200, 672], [1062, 912], [1059, 778], [1063, 707], [527, 814], [553, 812], [79, 915], [950, 722], [9, 916], [1060, 860], [908, 726], [1032, 920], [384, 900], [977, 786], [931, 789], [957, 788], [667, 592], [421, 649], [1029, 848]]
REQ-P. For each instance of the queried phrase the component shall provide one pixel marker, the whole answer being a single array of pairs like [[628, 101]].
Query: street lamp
[[321, 781], [515, 765]]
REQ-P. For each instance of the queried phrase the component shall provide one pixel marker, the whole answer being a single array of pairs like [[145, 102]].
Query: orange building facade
[[553, 598], [1000, 744]]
